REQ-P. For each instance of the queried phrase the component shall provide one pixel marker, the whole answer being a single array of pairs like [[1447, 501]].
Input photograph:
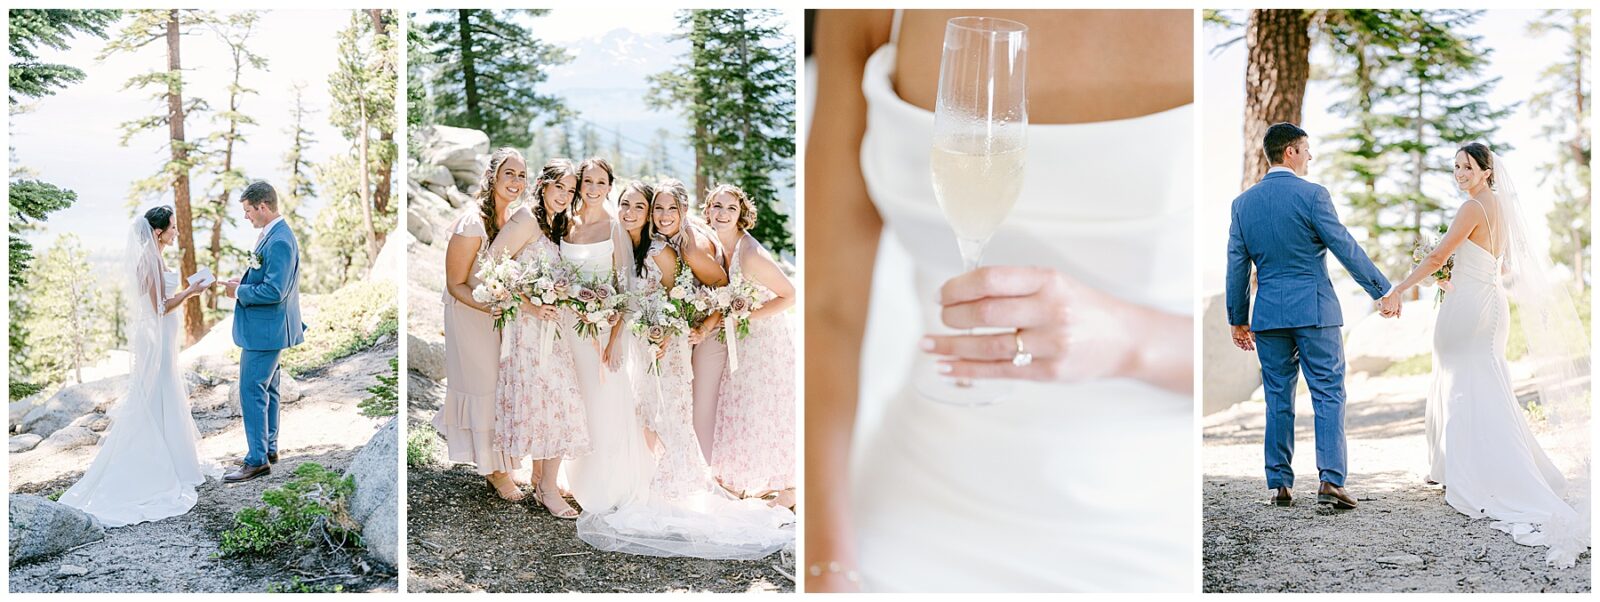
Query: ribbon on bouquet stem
[[547, 339], [731, 334]]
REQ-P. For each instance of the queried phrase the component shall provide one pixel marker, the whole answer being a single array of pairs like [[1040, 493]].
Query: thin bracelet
[[818, 569]]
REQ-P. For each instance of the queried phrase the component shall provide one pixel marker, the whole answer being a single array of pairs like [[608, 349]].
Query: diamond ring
[[1022, 358]]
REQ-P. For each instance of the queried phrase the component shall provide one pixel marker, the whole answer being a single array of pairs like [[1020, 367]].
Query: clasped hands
[[1389, 305]]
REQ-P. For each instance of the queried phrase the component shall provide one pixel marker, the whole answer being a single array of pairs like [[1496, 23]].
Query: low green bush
[[308, 510]]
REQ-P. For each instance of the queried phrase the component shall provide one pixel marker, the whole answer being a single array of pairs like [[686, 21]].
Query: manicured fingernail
[[946, 368], [926, 343]]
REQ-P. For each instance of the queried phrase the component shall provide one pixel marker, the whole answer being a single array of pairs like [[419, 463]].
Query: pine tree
[[66, 329], [736, 88], [52, 28], [489, 68], [30, 29], [298, 187], [1565, 103], [1438, 106], [235, 31], [169, 26], [363, 89], [32, 201]]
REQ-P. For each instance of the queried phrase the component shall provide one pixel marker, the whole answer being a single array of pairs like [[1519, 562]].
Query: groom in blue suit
[[1284, 227], [266, 320]]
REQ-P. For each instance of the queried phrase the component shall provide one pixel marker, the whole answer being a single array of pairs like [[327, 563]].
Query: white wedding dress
[[1063, 487], [148, 466], [622, 511], [1480, 446]]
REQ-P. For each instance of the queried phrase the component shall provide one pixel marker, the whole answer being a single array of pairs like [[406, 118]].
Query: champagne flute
[[979, 142]]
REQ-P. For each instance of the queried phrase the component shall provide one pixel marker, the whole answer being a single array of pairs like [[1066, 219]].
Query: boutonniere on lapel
[[254, 260]]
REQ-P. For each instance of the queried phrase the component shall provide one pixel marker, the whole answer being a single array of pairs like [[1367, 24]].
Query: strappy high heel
[[516, 496]]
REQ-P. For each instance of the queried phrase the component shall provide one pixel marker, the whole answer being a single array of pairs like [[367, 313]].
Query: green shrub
[[385, 398], [348, 321], [296, 586], [55, 496], [422, 446], [21, 390], [303, 512]]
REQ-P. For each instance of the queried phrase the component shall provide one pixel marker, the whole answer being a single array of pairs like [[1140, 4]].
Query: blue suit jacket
[[1284, 227], [267, 315]]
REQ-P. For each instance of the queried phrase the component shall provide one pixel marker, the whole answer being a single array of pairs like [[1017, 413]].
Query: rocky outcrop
[[1374, 342], [1230, 374], [289, 391], [24, 442], [71, 402], [377, 497], [40, 527], [68, 438], [460, 150]]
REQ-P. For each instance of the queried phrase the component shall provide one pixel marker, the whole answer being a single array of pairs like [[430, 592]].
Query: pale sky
[[71, 139], [1517, 58]]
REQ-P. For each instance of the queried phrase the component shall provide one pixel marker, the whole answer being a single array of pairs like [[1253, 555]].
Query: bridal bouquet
[[736, 301], [595, 301], [1442, 276], [658, 319], [500, 281]]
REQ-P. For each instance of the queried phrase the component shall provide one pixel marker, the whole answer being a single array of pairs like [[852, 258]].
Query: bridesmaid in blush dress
[[753, 450], [471, 343], [702, 254], [541, 412], [666, 397]]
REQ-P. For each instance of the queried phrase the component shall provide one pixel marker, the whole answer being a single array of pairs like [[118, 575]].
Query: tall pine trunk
[[469, 68], [1278, 45], [221, 201], [366, 186], [385, 169], [194, 325]]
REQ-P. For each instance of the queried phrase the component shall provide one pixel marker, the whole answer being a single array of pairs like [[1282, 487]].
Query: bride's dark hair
[[1481, 155], [159, 218]]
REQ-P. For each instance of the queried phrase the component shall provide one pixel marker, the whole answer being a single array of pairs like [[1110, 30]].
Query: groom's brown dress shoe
[[1282, 497], [1336, 496], [272, 457], [246, 472]]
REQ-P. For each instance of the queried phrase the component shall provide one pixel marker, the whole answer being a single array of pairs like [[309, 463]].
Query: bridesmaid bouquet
[[595, 301], [548, 283], [499, 286], [689, 299], [658, 319], [736, 301]]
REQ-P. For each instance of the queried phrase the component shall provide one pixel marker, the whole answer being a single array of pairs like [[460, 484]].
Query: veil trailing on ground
[[1558, 347]]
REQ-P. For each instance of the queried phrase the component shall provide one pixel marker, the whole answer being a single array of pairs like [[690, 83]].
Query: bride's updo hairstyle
[[588, 164], [747, 210], [553, 171], [159, 218], [1481, 155], [491, 222]]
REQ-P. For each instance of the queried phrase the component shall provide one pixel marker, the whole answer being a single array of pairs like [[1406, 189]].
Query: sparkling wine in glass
[[979, 144]]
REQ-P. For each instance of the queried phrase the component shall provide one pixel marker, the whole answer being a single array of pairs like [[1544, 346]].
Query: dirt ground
[[178, 554], [1402, 538], [461, 537]]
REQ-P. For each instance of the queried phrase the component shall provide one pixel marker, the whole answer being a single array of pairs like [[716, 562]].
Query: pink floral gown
[[666, 403], [541, 410], [753, 449]]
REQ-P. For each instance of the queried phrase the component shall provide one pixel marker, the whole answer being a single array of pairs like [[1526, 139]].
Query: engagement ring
[[1022, 358]]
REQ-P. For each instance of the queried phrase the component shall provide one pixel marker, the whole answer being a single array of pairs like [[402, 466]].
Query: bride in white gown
[[621, 511], [148, 467], [1480, 445], [1079, 481]]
